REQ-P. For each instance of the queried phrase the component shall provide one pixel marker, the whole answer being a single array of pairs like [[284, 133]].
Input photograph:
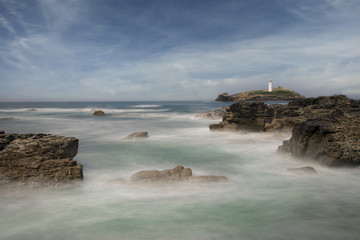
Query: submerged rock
[[137, 135], [177, 174], [303, 170], [38, 158], [214, 114], [209, 179], [9, 119]]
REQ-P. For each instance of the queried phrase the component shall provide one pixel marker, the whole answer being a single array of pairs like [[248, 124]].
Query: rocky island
[[326, 129], [38, 158], [276, 94]]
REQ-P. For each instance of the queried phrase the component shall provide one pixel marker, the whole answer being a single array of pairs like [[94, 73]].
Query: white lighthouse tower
[[270, 86]]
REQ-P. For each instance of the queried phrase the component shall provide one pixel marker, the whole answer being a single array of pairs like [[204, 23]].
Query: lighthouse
[[270, 86]]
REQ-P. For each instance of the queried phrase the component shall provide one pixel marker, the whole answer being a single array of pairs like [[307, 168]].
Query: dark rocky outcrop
[[258, 116], [326, 129], [214, 114], [332, 140], [177, 174], [41, 158], [224, 97], [99, 113], [137, 135]]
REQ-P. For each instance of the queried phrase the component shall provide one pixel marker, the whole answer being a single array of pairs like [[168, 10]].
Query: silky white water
[[262, 200]]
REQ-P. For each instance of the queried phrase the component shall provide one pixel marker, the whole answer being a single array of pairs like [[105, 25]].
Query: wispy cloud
[[80, 50]]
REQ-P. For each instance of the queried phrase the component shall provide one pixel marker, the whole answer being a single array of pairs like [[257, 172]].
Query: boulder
[[303, 170], [177, 174], [214, 114], [2, 132], [38, 158], [98, 113], [137, 135]]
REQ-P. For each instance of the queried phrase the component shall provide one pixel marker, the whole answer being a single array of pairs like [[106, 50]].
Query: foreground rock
[[214, 114], [258, 116], [332, 140], [42, 158], [137, 135], [177, 174]]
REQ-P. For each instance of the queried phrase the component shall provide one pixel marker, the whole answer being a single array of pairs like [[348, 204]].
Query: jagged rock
[[303, 170], [177, 174], [137, 135], [98, 113], [214, 114], [258, 116], [38, 158], [332, 140]]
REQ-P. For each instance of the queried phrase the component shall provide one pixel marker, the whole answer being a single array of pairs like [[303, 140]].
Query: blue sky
[[79, 50]]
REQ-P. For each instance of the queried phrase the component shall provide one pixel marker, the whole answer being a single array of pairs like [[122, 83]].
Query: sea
[[262, 200]]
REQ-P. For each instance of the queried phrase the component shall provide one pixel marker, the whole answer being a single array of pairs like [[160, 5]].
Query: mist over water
[[262, 200]]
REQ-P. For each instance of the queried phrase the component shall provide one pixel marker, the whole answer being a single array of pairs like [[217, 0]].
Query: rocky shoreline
[[326, 129]]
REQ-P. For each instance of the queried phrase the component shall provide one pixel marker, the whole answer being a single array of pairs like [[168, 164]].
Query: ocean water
[[262, 200]]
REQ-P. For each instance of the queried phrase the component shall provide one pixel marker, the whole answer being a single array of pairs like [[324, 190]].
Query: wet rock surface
[[258, 116], [332, 140], [98, 113], [177, 174], [326, 129], [38, 158]]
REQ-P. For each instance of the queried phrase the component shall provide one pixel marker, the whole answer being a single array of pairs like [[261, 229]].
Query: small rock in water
[[31, 110], [177, 174], [303, 170], [137, 135], [9, 119], [98, 113]]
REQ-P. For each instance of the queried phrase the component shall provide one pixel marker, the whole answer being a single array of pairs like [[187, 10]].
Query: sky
[[119, 50]]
